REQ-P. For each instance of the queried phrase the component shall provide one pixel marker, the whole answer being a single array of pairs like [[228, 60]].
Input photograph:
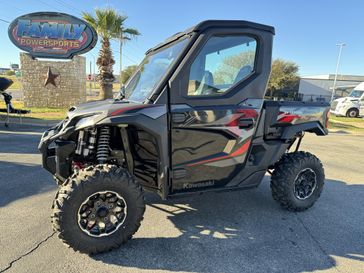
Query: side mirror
[[122, 92], [5, 83]]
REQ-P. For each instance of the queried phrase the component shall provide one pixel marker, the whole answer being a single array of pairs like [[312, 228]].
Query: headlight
[[86, 122]]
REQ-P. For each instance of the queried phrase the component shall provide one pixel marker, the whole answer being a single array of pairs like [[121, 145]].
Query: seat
[[207, 82], [243, 73]]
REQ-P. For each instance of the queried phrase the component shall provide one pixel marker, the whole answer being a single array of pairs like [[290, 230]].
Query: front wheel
[[297, 181], [58, 182], [98, 209], [352, 113]]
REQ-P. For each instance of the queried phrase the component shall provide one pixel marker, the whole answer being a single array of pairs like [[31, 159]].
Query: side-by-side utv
[[5, 83], [191, 119]]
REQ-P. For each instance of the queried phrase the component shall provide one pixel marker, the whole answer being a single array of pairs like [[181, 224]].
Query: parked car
[[351, 106]]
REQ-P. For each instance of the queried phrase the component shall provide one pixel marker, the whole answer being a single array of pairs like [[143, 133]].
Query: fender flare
[[289, 132]]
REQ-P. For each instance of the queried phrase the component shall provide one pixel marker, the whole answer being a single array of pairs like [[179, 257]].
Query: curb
[[33, 124], [343, 133]]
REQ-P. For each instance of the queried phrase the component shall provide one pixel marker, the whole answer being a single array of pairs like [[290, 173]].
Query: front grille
[[333, 105]]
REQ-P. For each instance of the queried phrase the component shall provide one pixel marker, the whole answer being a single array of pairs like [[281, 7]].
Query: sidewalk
[[14, 120]]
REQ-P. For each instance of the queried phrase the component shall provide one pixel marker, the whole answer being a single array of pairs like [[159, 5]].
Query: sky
[[306, 31]]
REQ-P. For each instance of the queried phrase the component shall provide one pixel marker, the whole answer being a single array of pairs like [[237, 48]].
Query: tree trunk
[[105, 63], [271, 93], [106, 91]]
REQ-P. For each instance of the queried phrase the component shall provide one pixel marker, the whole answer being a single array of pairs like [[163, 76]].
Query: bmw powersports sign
[[52, 35]]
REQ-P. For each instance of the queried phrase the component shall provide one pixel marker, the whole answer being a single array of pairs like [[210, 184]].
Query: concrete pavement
[[242, 231]]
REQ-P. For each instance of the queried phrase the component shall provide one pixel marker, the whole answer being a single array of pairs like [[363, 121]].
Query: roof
[[232, 24], [214, 24], [332, 77], [344, 87]]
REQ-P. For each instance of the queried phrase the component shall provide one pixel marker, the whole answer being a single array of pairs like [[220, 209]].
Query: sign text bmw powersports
[[52, 35]]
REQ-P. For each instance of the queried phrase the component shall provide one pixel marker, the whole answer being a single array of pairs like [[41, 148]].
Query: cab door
[[361, 105], [215, 100]]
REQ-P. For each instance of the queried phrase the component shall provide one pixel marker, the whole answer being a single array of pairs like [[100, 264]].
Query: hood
[[90, 113], [103, 107], [341, 100]]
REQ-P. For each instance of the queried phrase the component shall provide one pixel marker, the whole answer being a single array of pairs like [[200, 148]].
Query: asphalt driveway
[[242, 231]]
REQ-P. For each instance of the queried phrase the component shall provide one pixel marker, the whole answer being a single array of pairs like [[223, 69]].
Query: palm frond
[[131, 31], [89, 19], [109, 24]]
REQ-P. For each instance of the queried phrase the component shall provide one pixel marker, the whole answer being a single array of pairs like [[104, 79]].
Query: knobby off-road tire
[[73, 175], [83, 187], [288, 180], [58, 182]]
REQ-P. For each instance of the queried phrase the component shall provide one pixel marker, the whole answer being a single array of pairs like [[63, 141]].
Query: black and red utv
[[191, 119]]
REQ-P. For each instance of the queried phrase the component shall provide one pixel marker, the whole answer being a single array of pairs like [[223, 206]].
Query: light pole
[[341, 45], [90, 79], [121, 56], [94, 70]]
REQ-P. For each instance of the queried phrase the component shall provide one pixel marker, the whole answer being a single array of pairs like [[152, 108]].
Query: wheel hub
[[305, 184], [102, 213]]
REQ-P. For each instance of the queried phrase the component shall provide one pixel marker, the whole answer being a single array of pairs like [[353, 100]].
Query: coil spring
[[103, 145]]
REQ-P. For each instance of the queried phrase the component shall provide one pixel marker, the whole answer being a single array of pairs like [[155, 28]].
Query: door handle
[[246, 123], [178, 117]]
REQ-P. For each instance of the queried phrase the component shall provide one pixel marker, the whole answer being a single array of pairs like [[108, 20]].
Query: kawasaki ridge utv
[[191, 119]]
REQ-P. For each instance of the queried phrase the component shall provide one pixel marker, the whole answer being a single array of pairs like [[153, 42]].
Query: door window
[[222, 62]]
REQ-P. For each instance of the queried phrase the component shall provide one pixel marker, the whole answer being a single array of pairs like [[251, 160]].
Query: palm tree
[[109, 25]]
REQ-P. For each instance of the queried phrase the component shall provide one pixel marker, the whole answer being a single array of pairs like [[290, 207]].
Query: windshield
[[356, 94], [151, 71]]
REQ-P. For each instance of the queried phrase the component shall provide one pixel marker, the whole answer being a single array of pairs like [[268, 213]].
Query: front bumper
[[56, 154]]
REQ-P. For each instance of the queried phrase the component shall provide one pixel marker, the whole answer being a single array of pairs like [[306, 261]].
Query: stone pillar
[[53, 84]]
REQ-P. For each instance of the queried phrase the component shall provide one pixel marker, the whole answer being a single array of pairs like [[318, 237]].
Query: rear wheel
[[297, 181], [352, 113], [98, 209]]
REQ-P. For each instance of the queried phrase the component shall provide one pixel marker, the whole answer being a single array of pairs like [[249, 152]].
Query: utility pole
[[341, 45]]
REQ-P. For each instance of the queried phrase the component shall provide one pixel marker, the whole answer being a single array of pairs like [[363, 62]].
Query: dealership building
[[319, 87]]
